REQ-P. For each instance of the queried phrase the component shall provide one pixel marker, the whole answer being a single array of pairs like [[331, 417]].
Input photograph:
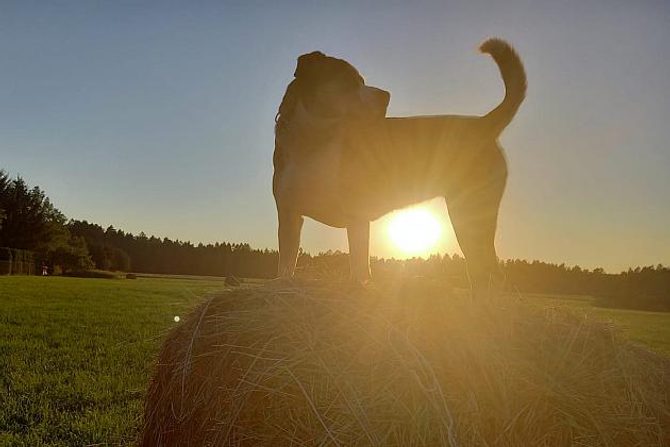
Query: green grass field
[[648, 328], [76, 354]]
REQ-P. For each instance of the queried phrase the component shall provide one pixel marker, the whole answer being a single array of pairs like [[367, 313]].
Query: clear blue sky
[[158, 116]]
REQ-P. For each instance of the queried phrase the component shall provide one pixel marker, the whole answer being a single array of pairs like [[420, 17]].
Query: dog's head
[[327, 90], [333, 88]]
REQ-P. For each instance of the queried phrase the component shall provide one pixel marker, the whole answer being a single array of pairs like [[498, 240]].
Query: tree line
[[636, 288], [29, 221], [112, 249]]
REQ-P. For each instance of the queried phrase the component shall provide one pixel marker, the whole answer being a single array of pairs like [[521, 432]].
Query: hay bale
[[413, 367]]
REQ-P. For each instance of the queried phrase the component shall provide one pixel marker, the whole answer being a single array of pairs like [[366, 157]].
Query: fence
[[16, 262]]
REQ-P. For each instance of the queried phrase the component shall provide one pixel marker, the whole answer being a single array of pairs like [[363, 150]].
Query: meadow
[[77, 353], [650, 329]]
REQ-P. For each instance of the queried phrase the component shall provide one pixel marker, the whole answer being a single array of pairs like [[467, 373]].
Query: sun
[[414, 231]]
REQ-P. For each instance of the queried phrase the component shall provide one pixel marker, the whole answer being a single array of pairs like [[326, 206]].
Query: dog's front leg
[[358, 235], [290, 225]]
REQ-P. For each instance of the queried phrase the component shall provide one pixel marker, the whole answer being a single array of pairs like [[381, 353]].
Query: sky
[[158, 116]]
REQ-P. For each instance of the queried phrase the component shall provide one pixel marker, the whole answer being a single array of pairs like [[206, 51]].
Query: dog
[[339, 160]]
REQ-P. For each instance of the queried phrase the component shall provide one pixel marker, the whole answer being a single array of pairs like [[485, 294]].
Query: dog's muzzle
[[374, 101]]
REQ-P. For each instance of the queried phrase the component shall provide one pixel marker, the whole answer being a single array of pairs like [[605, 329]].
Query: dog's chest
[[312, 183]]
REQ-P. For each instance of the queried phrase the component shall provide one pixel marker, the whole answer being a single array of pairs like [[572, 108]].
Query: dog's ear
[[307, 64]]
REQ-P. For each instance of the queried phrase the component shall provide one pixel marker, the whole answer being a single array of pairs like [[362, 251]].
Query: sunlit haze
[[414, 231], [158, 117]]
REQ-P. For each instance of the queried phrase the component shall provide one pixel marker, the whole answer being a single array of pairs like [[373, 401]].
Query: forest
[[30, 223]]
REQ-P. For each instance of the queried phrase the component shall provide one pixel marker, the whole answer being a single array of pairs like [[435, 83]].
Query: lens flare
[[414, 232]]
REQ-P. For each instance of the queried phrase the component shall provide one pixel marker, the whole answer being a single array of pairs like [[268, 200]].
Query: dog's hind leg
[[474, 216], [358, 235], [290, 226]]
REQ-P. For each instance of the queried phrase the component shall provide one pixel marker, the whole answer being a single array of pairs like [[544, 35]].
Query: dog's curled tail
[[514, 77]]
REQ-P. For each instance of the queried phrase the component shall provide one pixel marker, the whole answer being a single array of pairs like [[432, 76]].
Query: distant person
[[45, 269]]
